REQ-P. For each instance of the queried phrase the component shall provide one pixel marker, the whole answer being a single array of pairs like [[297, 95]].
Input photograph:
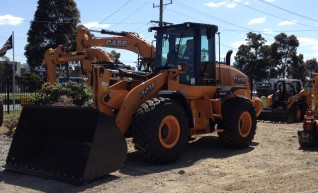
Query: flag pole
[[13, 74]]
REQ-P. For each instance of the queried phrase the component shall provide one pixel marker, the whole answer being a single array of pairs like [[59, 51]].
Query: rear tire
[[238, 123], [160, 130]]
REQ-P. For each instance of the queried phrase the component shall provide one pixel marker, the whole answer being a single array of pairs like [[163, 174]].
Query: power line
[[275, 15], [133, 12], [66, 22], [114, 12], [202, 22], [213, 17], [309, 18]]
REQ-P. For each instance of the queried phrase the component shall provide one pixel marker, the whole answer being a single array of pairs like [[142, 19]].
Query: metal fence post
[[8, 95]]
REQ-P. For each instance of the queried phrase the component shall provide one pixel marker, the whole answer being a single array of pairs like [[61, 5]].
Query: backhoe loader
[[187, 94], [288, 102], [309, 135], [87, 54], [130, 41]]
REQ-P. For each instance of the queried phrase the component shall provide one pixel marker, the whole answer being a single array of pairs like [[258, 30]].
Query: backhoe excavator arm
[[123, 40], [53, 57]]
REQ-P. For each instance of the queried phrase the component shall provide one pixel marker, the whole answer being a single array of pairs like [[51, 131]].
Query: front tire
[[160, 130], [238, 122]]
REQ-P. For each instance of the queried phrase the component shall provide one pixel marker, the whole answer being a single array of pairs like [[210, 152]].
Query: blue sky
[[235, 18]]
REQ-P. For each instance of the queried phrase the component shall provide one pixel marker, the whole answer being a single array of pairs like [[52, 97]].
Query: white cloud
[[268, 31], [237, 44], [229, 4], [211, 4], [257, 20], [10, 20], [96, 25], [312, 43], [286, 23]]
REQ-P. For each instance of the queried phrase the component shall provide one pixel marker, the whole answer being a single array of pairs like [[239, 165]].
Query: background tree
[[30, 82], [5, 70], [115, 55], [253, 58], [284, 51], [54, 24], [311, 67], [279, 60], [297, 68]]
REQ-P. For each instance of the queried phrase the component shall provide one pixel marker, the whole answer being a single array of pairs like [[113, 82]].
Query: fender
[[182, 99], [226, 92]]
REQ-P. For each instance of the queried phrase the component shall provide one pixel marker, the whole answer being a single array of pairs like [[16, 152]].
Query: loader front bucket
[[275, 115], [70, 144]]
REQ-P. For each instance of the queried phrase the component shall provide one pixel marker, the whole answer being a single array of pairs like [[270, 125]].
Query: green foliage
[[54, 24], [114, 55], [252, 58], [5, 70], [79, 93], [285, 53], [50, 94], [278, 60], [30, 81]]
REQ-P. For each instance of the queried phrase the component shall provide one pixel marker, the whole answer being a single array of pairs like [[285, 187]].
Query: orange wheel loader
[[187, 94]]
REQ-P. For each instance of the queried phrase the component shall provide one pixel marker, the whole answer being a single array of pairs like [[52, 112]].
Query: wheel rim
[[245, 124], [169, 131]]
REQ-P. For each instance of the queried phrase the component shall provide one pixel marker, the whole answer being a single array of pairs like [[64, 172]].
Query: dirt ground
[[274, 163]]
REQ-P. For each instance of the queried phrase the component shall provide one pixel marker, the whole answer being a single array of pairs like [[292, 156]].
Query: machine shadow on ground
[[204, 147], [201, 148]]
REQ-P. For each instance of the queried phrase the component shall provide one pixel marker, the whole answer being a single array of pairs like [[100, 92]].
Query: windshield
[[190, 46], [176, 46]]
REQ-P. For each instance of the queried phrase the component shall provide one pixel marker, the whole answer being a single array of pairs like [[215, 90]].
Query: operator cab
[[190, 43]]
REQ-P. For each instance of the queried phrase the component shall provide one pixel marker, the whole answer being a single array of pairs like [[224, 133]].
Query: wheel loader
[[188, 94], [288, 102]]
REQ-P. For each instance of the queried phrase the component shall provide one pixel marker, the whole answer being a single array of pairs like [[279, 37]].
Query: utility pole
[[161, 11]]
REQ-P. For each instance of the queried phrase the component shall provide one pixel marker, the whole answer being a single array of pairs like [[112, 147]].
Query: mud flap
[[70, 144]]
